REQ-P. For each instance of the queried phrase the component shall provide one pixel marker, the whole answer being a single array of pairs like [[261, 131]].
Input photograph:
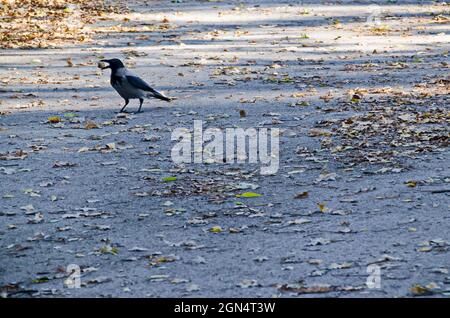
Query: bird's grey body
[[120, 83], [129, 85]]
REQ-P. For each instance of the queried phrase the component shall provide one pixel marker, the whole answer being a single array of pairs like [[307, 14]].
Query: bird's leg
[[123, 108], [141, 100]]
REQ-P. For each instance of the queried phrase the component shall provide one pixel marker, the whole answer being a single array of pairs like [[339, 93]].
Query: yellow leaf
[[215, 229], [322, 207], [54, 119], [411, 183]]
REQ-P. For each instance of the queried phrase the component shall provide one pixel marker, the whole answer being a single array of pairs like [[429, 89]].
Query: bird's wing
[[141, 84]]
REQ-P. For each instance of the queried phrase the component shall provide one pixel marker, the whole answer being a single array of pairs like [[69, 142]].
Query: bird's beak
[[104, 64]]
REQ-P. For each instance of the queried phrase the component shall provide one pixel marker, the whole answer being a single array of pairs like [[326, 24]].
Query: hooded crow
[[129, 85]]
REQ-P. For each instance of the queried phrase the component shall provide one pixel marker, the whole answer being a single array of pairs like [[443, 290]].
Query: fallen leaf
[[248, 195], [54, 119], [302, 195], [215, 229], [89, 124], [411, 183], [322, 207]]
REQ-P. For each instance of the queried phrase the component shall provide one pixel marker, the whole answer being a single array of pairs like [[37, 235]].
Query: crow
[[129, 85]]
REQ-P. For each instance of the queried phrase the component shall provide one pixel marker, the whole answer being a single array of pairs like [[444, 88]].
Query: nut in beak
[[102, 65]]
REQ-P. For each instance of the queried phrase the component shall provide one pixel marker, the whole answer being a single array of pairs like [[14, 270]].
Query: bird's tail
[[158, 95]]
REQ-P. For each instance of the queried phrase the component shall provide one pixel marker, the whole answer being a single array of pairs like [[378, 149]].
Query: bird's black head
[[113, 64]]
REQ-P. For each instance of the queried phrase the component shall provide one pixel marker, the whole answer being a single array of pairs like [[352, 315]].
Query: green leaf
[[248, 195], [169, 179], [40, 280]]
